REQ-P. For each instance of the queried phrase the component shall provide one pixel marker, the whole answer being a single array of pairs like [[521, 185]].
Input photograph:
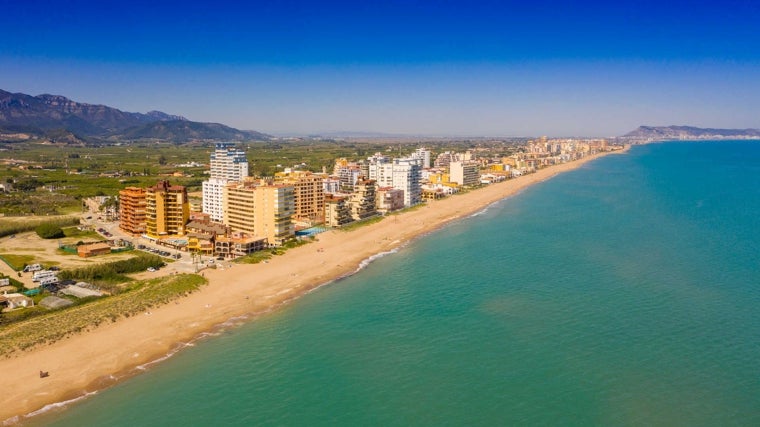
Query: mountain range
[[60, 118], [689, 132]]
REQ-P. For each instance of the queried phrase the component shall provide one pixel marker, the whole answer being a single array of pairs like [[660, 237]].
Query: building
[[167, 210], [464, 173], [132, 205], [227, 164], [308, 192], [260, 209], [93, 249], [347, 173], [404, 174], [389, 199], [212, 202], [362, 202], [424, 155], [238, 244], [337, 211], [202, 233]]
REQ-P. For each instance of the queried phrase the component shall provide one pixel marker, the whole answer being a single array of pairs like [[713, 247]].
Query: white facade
[[403, 174], [464, 173], [213, 198], [423, 154], [228, 164]]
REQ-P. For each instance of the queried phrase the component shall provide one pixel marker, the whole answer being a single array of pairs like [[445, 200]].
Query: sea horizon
[[550, 305]]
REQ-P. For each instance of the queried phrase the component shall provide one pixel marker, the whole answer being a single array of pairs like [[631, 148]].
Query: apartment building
[[132, 206], [227, 164], [362, 202], [337, 211], [260, 209], [464, 173], [308, 192], [167, 210]]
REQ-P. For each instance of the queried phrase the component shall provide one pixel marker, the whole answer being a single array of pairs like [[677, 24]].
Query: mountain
[[44, 113], [185, 130], [689, 132]]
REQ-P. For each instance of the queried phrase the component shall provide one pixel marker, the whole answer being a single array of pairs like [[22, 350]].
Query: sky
[[443, 68]]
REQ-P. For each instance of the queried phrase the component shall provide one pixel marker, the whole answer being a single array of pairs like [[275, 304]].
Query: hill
[[689, 132], [41, 114], [185, 130]]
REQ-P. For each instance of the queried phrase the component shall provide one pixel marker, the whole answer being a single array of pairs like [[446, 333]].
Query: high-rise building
[[261, 210], [423, 154], [309, 194], [132, 203], [404, 174], [227, 164], [465, 173], [362, 201], [337, 211], [407, 173], [167, 210]]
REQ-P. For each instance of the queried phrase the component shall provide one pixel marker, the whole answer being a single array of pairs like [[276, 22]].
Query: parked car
[[151, 269]]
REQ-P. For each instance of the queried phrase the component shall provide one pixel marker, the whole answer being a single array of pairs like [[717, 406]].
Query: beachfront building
[[167, 210], [238, 244], [465, 173], [227, 164], [404, 174], [389, 199], [132, 205], [337, 211], [362, 201], [260, 209], [308, 195]]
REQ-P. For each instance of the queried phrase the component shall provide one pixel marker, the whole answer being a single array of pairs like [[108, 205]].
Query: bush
[[49, 231]]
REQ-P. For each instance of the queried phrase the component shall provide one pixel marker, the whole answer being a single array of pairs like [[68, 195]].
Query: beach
[[96, 359]]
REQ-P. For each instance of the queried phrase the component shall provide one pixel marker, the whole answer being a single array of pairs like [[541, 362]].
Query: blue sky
[[434, 68]]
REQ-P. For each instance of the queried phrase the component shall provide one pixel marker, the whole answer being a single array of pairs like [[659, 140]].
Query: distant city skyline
[[400, 67]]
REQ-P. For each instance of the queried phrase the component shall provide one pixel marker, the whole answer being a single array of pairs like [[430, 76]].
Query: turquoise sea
[[624, 293]]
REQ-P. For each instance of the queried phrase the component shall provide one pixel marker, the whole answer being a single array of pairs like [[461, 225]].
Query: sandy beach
[[96, 359]]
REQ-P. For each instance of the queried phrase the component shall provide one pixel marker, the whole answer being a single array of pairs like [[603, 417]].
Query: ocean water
[[624, 293]]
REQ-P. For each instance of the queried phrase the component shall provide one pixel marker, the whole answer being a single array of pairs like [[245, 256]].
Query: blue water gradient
[[624, 293]]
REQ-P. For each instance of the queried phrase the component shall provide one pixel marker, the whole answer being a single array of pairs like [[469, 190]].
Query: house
[[93, 249], [15, 300]]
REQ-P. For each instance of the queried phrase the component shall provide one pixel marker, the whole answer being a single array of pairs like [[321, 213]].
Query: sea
[[623, 293]]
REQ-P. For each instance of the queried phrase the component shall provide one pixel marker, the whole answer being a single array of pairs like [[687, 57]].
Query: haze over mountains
[[690, 132], [58, 117]]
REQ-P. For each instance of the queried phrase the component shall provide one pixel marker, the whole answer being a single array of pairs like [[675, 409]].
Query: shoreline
[[82, 365]]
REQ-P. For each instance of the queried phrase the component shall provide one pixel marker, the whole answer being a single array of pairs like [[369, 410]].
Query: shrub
[[49, 231]]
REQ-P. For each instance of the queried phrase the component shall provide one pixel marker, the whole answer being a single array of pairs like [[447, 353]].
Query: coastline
[[85, 363]]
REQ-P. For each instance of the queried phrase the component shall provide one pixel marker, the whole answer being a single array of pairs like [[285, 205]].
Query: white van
[[42, 274]]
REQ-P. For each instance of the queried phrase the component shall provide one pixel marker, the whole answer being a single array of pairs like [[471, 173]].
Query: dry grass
[[56, 325]]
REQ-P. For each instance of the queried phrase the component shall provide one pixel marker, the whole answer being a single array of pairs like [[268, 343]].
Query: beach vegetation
[[25, 328], [108, 275]]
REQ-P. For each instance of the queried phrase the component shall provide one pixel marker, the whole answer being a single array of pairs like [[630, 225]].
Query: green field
[[53, 179]]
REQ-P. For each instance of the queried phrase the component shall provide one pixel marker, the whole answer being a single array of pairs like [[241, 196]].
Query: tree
[[161, 160], [49, 231]]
